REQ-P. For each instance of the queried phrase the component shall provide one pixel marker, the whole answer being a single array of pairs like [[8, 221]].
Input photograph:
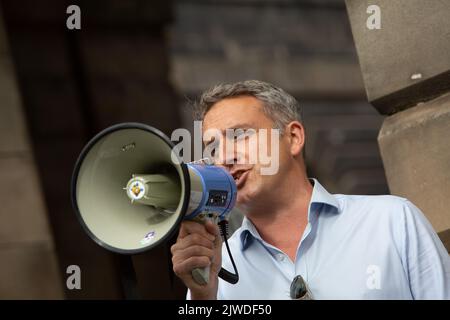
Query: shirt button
[[280, 257]]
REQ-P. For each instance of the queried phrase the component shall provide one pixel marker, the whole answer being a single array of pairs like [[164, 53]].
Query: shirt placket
[[301, 267]]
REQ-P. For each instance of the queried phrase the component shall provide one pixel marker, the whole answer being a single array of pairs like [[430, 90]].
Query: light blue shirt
[[353, 247]]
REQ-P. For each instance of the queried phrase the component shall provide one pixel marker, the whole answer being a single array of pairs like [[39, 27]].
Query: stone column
[[415, 147], [406, 70]]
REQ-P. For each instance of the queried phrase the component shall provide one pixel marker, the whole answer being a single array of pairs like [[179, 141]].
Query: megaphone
[[130, 195]]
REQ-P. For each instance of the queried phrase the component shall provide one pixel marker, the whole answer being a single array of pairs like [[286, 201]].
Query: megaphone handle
[[201, 275]]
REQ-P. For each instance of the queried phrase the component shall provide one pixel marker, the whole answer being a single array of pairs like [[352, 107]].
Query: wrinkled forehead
[[236, 113]]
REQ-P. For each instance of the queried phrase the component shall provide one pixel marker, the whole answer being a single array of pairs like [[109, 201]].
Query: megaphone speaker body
[[130, 196]]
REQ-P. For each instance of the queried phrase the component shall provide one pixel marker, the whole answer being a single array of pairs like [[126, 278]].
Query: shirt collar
[[320, 196]]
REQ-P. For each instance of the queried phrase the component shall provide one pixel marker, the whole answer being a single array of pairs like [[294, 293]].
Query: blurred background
[[142, 61]]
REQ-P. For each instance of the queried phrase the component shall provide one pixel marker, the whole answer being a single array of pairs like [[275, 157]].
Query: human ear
[[296, 136]]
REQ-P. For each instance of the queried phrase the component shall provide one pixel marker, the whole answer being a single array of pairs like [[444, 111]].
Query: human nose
[[226, 154]]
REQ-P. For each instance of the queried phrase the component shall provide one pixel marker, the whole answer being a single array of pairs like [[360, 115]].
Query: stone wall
[[29, 266]]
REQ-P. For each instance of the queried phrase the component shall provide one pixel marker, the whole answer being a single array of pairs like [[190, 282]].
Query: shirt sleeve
[[426, 259]]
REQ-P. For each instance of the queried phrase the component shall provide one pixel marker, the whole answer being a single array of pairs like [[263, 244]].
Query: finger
[[212, 228], [190, 264], [189, 227], [192, 240], [192, 251]]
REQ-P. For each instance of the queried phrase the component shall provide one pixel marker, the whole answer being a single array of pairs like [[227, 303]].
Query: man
[[344, 246]]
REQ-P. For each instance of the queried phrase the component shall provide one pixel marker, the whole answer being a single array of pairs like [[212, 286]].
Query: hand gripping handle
[[201, 275]]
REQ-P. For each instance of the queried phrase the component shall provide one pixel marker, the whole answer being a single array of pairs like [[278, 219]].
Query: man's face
[[246, 112]]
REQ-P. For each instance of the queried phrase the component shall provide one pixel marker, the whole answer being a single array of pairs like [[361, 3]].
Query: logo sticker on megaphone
[[148, 238]]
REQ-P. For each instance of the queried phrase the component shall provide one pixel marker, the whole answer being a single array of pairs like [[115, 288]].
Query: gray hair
[[278, 105]]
